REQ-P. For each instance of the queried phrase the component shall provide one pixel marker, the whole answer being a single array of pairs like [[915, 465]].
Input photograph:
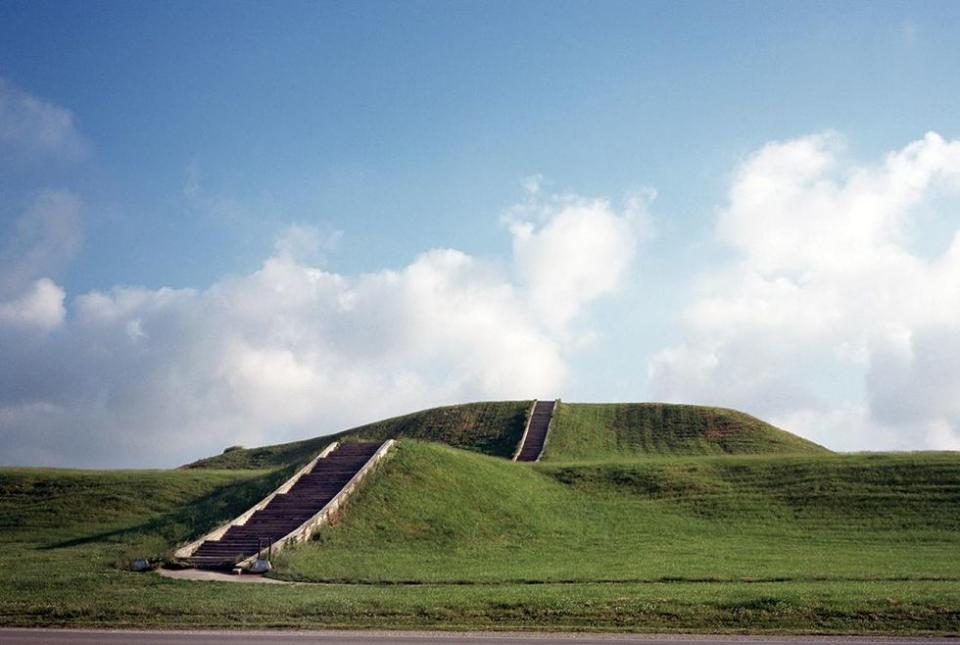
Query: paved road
[[36, 636]]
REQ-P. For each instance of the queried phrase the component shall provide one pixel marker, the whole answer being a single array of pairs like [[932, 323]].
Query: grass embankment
[[435, 514], [602, 431], [64, 531], [631, 537], [580, 431], [492, 428], [123, 512]]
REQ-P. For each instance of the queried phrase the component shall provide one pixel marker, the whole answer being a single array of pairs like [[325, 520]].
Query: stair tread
[[288, 511]]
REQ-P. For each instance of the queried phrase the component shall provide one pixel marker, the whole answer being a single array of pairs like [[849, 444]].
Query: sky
[[245, 223]]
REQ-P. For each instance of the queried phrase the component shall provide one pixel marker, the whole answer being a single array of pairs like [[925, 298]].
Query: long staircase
[[536, 435], [286, 512]]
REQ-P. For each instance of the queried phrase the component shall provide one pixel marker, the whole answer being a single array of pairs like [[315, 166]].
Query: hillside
[[580, 431], [436, 514], [169, 506], [617, 430], [492, 428], [760, 543]]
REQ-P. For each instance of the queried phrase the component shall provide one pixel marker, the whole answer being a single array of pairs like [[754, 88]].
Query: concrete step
[[537, 431], [287, 511]]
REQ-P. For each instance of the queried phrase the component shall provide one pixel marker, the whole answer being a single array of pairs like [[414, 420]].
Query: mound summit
[[580, 431]]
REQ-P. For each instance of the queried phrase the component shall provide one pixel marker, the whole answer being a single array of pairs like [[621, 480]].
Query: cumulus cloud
[[35, 127], [306, 242], [570, 250], [44, 238], [40, 308], [830, 317], [159, 376]]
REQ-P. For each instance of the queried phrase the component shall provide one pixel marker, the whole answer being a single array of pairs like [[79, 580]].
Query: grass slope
[[435, 514], [137, 511], [593, 431], [680, 521], [492, 428]]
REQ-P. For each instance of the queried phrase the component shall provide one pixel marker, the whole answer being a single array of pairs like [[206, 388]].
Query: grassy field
[[624, 538]]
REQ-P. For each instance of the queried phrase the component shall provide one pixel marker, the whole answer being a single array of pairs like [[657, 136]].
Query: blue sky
[[197, 134]]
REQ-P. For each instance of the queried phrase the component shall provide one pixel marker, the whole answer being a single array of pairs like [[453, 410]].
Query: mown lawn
[[834, 544], [436, 514], [488, 427], [604, 431]]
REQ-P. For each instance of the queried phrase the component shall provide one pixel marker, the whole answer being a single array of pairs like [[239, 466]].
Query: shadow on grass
[[196, 517]]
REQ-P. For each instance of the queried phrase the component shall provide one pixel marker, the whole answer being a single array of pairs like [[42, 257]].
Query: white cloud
[[827, 284], [35, 127], [570, 250], [305, 242], [44, 238], [943, 435], [154, 377], [916, 383], [39, 309]]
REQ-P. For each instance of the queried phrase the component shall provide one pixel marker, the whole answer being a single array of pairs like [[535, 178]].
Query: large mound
[[759, 543], [615, 430], [437, 514], [579, 431], [492, 428]]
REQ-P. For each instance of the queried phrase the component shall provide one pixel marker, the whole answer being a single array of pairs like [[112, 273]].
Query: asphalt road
[[36, 636]]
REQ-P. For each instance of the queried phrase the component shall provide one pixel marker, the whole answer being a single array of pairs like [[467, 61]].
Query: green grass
[[126, 511], [492, 428], [678, 526], [591, 431], [435, 514], [88, 599], [584, 431], [642, 517]]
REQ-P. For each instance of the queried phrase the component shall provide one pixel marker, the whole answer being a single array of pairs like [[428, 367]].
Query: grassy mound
[[832, 544], [594, 431], [436, 514], [492, 428]]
